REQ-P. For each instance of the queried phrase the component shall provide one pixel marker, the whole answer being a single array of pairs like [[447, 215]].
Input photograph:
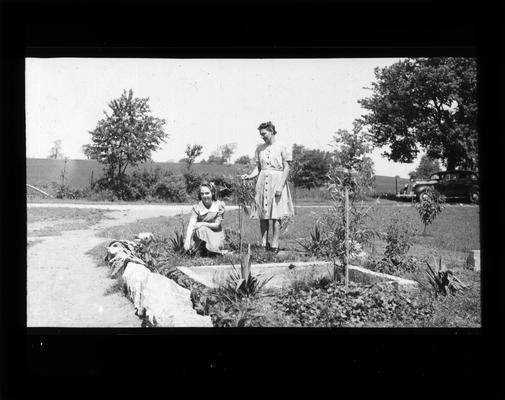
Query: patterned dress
[[271, 158], [214, 239]]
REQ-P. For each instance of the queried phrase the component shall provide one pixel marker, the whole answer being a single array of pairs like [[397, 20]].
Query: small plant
[[243, 284], [442, 280], [232, 239], [315, 243], [178, 240], [429, 207], [398, 239]]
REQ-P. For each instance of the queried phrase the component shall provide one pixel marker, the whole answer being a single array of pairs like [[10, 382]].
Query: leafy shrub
[[151, 185], [387, 266], [192, 181], [398, 238], [334, 305], [430, 207], [64, 191]]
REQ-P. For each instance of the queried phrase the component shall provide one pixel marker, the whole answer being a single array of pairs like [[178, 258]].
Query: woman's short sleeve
[[286, 153], [194, 210], [221, 208]]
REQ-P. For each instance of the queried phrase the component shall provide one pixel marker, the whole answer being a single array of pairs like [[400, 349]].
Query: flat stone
[[283, 274]]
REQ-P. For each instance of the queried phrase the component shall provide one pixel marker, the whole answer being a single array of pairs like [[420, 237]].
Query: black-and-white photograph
[[258, 192]]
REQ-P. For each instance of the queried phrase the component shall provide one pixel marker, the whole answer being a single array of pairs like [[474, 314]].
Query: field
[[41, 173]]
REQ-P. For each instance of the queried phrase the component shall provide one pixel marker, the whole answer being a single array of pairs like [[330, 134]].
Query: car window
[[448, 177], [434, 176]]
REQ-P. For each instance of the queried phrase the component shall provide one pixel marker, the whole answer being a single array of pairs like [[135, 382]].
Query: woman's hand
[[245, 176], [198, 225]]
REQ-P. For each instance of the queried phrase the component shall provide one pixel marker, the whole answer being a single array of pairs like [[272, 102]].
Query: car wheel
[[473, 196]]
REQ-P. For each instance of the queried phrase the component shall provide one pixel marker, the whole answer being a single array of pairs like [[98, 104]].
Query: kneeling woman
[[204, 227]]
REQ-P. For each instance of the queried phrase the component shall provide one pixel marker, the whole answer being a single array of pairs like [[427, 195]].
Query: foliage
[[125, 137], [315, 243], [429, 103], [425, 169], [245, 160], [151, 184], [309, 168], [222, 154], [442, 280], [243, 193], [335, 305], [430, 207], [192, 181], [178, 240], [192, 152], [237, 286], [55, 151], [398, 236]]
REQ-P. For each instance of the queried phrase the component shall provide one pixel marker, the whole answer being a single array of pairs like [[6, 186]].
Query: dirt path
[[65, 287]]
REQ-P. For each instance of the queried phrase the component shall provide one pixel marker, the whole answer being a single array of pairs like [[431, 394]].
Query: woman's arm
[[189, 231], [284, 177], [212, 225], [254, 173]]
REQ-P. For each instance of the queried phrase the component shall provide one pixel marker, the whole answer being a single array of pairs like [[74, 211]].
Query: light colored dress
[[271, 158], [214, 239]]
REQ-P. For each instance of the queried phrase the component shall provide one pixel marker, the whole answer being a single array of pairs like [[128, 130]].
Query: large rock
[[135, 278], [167, 304]]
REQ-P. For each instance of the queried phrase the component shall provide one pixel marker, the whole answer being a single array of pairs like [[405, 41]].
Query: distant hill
[[41, 172]]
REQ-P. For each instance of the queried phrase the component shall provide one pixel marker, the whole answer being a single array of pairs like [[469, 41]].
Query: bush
[[155, 185], [429, 207]]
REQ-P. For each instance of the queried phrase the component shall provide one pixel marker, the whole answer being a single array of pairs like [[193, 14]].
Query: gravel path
[[65, 287]]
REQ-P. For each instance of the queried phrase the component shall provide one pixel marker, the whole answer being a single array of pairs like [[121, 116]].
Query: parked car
[[451, 184]]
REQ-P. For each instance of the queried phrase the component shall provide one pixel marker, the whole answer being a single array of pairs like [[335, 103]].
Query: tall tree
[[55, 151], [427, 166], [125, 137], [192, 152], [227, 151], [310, 167], [427, 103]]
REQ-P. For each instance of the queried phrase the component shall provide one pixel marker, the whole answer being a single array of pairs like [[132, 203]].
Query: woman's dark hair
[[211, 187], [268, 126]]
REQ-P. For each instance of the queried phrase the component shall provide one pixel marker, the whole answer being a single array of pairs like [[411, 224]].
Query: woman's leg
[[277, 230], [264, 232]]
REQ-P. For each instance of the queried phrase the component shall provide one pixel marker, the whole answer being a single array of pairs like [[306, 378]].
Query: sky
[[203, 101]]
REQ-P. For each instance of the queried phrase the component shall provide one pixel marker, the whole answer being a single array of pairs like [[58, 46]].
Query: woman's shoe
[[274, 250]]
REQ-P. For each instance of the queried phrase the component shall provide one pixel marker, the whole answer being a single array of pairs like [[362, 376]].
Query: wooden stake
[[38, 190]]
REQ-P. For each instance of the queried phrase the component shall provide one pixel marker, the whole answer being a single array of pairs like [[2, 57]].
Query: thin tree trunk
[[346, 264]]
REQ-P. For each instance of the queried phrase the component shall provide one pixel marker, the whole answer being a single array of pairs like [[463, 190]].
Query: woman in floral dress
[[204, 227], [273, 199]]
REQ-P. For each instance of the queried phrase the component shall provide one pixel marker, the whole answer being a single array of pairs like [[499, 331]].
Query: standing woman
[[273, 199], [204, 228]]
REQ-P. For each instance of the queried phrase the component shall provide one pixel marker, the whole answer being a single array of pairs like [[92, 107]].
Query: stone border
[[212, 275], [158, 300]]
